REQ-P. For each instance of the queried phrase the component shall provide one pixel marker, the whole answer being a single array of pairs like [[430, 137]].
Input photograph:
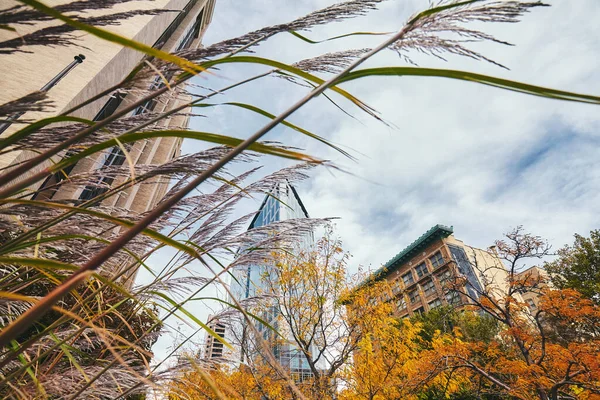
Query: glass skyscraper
[[282, 203]]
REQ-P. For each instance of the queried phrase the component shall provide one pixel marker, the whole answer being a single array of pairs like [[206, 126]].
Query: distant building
[[537, 280], [213, 347], [418, 273], [281, 204]]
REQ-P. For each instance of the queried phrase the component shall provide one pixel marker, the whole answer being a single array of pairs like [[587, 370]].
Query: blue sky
[[481, 159], [461, 154]]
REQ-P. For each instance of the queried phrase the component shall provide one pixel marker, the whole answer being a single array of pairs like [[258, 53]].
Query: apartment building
[[213, 347], [419, 274]]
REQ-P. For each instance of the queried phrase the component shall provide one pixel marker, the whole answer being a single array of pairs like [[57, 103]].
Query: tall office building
[[180, 25], [281, 204]]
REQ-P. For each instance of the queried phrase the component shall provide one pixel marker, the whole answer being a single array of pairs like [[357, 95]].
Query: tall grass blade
[[475, 78]]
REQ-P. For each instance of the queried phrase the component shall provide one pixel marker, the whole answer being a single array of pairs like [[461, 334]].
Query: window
[[452, 297], [401, 303], [436, 260], [444, 276], [110, 106], [386, 296], [174, 25], [414, 297], [396, 287], [419, 310], [465, 268], [531, 304], [421, 270], [408, 279], [428, 288], [434, 304]]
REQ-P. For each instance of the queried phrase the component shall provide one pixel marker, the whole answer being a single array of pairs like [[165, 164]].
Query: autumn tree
[[525, 360], [214, 382], [308, 288], [578, 266], [382, 365], [313, 314], [447, 319]]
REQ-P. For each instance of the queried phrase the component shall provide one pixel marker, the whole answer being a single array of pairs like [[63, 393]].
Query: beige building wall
[[105, 65], [491, 271], [536, 276]]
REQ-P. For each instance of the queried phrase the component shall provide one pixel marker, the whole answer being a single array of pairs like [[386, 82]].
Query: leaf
[[286, 123], [291, 69], [436, 10], [18, 297], [304, 38], [15, 345], [7, 28], [473, 77], [29, 129], [149, 232], [128, 158], [203, 136], [40, 263], [112, 37], [50, 239], [37, 246], [67, 350], [118, 288]]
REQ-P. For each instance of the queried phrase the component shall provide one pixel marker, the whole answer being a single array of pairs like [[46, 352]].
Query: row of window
[[115, 156], [429, 289], [451, 298], [421, 270]]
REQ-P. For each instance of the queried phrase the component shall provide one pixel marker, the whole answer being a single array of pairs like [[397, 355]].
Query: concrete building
[[417, 275], [213, 348], [106, 64]]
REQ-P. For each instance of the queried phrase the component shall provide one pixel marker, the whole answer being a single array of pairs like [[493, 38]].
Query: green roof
[[436, 232]]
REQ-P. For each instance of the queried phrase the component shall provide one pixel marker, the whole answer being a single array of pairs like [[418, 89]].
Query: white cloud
[[481, 159]]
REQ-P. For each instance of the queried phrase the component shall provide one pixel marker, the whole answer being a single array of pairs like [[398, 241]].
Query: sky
[[478, 158]]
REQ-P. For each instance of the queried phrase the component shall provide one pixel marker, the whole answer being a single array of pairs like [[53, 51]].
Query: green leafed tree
[[578, 266]]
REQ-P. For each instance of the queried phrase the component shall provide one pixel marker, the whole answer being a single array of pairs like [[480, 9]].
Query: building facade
[[181, 26], [537, 280], [281, 204], [214, 348], [247, 282], [419, 274]]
